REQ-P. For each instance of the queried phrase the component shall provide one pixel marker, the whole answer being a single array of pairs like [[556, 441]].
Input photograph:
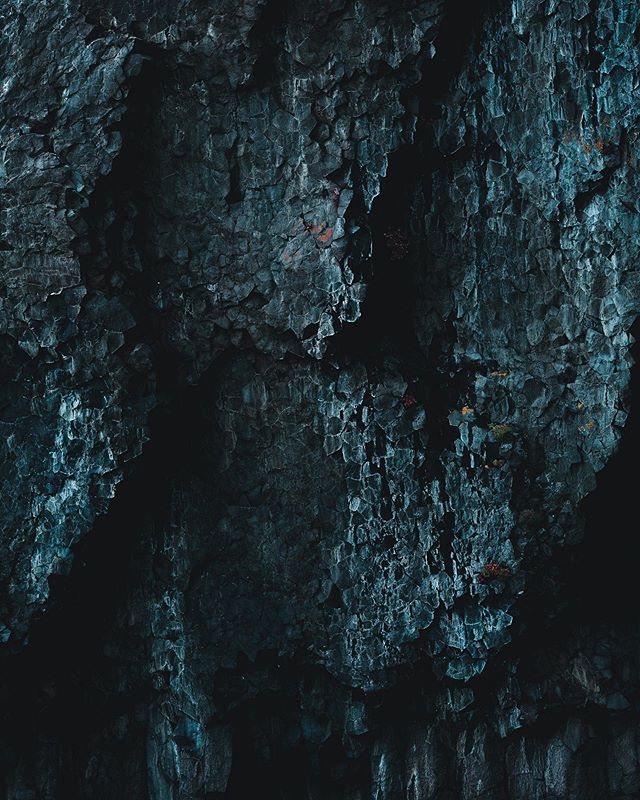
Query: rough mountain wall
[[315, 333]]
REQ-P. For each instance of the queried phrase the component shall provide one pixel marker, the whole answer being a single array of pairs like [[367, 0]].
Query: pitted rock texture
[[316, 329], [530, 237], [76, 387], [159, 197]]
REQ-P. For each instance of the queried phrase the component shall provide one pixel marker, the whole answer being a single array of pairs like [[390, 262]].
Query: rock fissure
[[316, 328]]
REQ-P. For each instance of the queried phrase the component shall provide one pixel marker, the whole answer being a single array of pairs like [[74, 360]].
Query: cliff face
[[316, 329]]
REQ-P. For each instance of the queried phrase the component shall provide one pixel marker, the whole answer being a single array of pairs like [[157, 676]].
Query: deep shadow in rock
[[386, 329], [82, 669], [604, 577]]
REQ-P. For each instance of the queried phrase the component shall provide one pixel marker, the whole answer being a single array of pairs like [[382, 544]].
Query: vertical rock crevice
[[83, 679], [600, 584]]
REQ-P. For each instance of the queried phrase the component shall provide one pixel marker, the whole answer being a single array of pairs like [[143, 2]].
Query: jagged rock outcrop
[[316, 330]]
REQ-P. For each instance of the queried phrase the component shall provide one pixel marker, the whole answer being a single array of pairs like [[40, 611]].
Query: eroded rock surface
[[316, 329]]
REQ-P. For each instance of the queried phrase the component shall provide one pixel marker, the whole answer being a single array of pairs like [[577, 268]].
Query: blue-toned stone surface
[[295, 438]]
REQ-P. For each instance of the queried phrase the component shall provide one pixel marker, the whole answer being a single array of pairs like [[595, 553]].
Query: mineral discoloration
[[350, 451]]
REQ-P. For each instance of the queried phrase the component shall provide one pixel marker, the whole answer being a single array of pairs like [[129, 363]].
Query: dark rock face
[[316, 330]]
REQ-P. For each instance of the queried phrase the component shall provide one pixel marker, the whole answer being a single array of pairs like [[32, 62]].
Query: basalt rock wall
[[316, 330]]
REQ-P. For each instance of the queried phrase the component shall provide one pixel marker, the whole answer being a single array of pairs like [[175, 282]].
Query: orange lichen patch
[[324, 237], [598, 142], [591, 425], [467, 410], [500, 430], [494, 572]]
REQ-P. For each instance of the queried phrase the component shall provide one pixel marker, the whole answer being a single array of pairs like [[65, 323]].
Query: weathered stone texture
[[316, 328]]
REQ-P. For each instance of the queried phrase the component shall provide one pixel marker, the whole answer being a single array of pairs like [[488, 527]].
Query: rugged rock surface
[[316, 330]]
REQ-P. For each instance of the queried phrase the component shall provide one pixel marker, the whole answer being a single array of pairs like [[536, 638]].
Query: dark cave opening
[[387, 332]]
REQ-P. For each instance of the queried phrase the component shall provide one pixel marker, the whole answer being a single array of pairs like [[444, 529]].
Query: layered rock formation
[[316, 335]]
